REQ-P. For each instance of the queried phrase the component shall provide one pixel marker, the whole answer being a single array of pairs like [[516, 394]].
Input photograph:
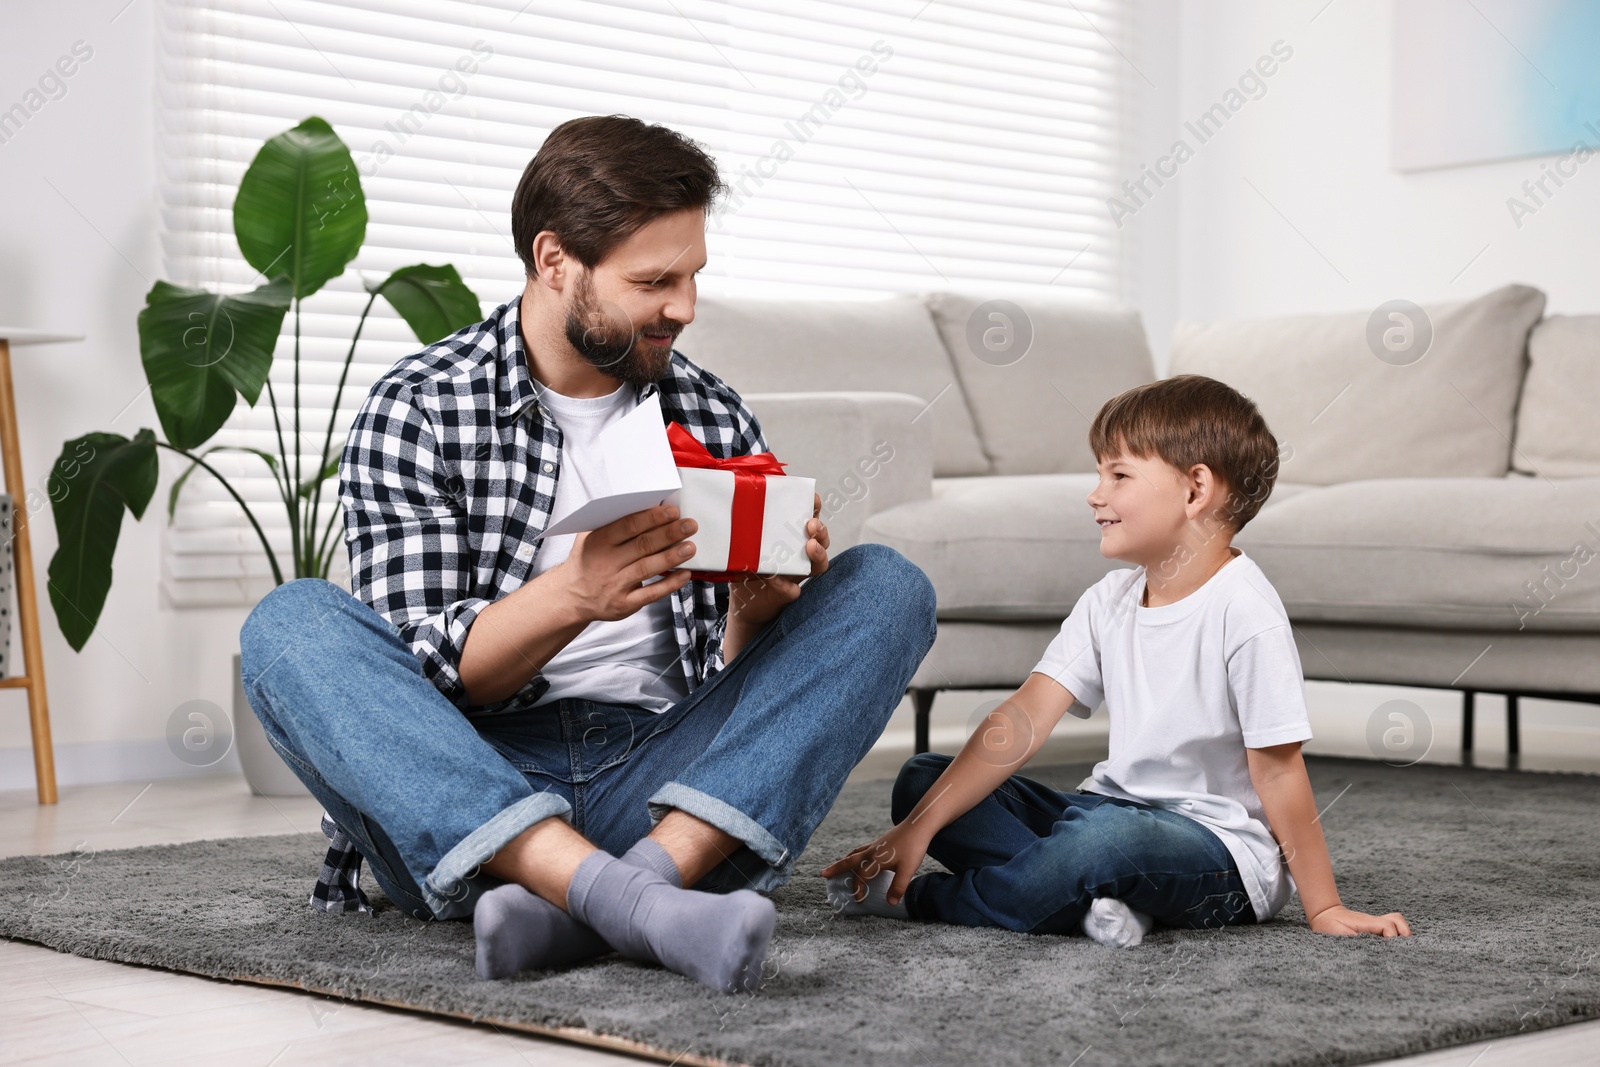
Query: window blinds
[[873, 147]]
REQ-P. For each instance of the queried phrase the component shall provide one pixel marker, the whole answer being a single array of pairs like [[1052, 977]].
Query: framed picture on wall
[[1481, 80]]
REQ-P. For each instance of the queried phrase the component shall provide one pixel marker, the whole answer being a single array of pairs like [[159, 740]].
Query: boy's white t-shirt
[[1188, 687], [625, 661]]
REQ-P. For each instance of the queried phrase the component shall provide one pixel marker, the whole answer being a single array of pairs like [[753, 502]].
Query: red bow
[[749, 493]]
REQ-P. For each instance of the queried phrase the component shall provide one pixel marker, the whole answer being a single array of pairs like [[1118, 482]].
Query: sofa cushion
[[1498, 554], [1509, 554], [1033, 409], [1556, 416], [798, 346], [1348, 415]]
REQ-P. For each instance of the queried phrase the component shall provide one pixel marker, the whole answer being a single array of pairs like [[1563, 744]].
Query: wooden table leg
[[44, 761]]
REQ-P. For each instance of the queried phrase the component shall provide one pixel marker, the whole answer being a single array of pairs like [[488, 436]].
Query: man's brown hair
[[597, 180], [1192, 419]]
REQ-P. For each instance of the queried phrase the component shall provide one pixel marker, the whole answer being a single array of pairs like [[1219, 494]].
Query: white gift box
[[707, 497], [640, 473]]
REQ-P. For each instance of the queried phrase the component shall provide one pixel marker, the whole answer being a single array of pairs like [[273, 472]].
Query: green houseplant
[[300, 217]]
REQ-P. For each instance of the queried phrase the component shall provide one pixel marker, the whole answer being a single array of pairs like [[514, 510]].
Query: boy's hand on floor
[[1342, 921], [898, 850]]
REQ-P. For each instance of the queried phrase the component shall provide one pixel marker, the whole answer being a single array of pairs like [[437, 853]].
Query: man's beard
[[603, 336]]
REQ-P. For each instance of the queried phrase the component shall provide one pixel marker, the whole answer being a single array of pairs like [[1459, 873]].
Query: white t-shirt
[[1188, 687], [626, 661]]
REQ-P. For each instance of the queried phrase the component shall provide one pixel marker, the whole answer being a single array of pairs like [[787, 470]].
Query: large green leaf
[[300, 211], [199, 348], [434, 301], [93, 480]]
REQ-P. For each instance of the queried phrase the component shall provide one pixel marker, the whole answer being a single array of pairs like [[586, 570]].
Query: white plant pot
[[264, 769]]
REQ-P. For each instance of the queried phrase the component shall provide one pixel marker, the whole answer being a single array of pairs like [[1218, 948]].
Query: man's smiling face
[[623, 316]]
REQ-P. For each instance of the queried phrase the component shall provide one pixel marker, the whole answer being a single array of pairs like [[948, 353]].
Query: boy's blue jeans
[[759, 750], [1032, 859]]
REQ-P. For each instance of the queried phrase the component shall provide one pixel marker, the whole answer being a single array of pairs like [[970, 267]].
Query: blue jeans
[[1032, 859], [428, 794]]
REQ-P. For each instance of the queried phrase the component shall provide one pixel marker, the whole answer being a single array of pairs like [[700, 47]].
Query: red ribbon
[[749, 493]]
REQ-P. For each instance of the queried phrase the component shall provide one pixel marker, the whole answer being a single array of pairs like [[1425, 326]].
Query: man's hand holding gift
[[754, 527], [757, 600], [750, 518]]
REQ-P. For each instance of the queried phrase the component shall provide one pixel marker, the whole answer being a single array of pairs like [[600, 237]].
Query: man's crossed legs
[[720, 792]]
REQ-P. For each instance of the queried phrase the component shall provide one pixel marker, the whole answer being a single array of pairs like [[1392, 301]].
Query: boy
[[1194, 657]]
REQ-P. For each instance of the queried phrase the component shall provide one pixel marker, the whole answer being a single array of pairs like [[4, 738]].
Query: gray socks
[[718, 940], [520, 931], [646, 853]]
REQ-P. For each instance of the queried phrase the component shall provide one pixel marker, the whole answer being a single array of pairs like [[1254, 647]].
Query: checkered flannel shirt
[[448, 480]]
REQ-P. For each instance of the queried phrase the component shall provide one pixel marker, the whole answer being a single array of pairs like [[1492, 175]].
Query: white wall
[[1154, 68], [78, 251], [1317, 147]]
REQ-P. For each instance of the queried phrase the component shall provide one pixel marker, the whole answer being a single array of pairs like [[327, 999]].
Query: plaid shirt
[[448, 480]]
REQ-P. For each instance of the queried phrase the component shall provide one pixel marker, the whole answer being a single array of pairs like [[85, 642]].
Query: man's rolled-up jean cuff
[[452, 887], [729, 820]]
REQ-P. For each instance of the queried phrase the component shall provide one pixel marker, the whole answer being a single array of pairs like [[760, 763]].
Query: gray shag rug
[[1497, 872]]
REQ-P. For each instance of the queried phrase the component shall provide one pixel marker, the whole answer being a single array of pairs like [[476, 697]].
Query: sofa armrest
[[867, 451]]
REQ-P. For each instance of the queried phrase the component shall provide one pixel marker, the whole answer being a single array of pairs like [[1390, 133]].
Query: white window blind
[[873, 147]]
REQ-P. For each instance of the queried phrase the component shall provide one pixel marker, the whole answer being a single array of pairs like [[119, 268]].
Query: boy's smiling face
[[1144, 506]]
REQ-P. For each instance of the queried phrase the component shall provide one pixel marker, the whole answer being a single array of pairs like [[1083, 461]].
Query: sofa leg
[[922, 701], [1466, 722], [1513, 726]]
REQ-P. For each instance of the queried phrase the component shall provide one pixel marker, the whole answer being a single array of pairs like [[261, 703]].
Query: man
[[568, 738]]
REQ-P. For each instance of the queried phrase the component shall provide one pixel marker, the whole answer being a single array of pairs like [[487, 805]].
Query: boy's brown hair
[[1190, 419], [597, 180]]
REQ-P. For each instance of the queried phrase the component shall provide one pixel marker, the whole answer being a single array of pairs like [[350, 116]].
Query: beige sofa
[[1436, 520]]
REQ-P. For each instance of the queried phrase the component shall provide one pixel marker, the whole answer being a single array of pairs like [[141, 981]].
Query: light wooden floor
[[63, 1009]]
